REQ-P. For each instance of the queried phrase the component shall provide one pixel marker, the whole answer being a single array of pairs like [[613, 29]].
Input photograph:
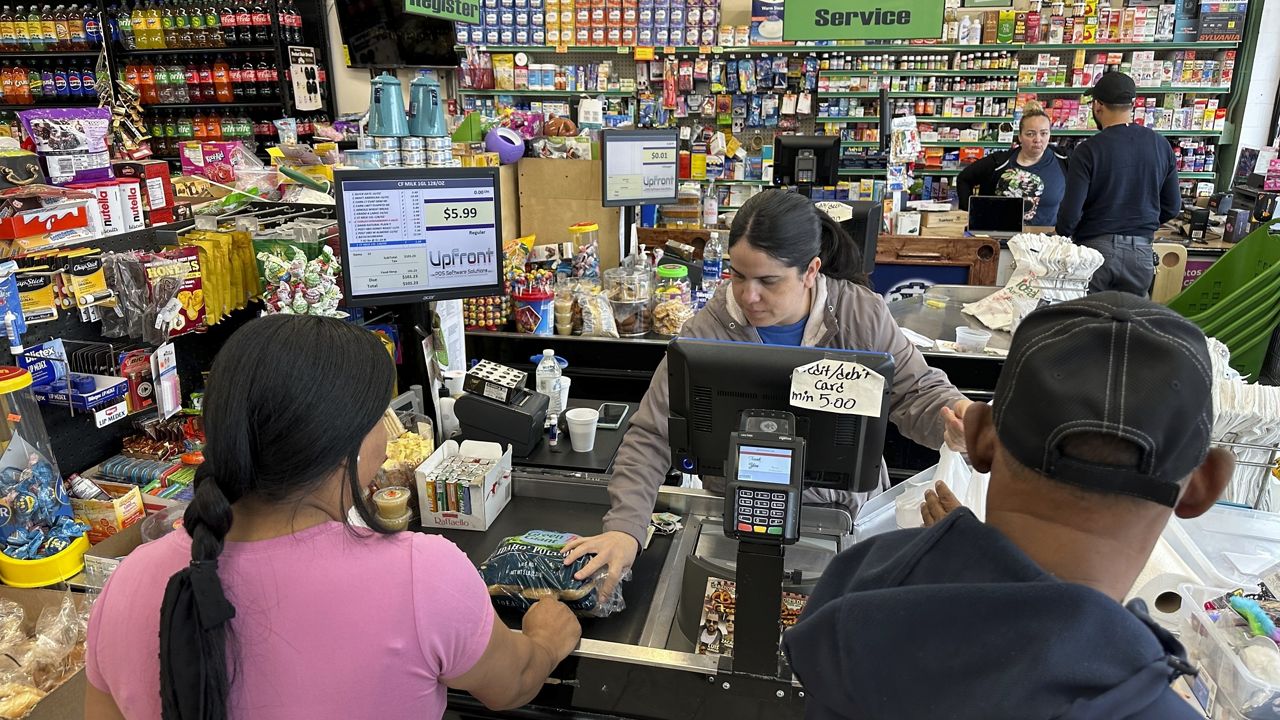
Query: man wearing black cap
[[1122, 184], [1099, 431]]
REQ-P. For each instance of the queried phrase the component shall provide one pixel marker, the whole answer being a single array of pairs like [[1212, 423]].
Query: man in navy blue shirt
[[1122, 184], [1099, 431]]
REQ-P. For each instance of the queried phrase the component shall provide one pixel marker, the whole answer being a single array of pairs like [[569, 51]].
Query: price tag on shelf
[[717, 50], [704, 49], [562, 49], [669, 50], [644, 53], [110, 414], [623, 49]]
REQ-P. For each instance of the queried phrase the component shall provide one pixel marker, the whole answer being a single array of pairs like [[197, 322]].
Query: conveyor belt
[[525, 513]]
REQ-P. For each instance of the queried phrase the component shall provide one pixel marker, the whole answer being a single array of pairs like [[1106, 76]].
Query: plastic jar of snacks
[[672, 299], [629, 291]]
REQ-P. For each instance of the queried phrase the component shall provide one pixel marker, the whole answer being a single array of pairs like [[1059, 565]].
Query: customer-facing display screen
[[425, 238], [764, 464]]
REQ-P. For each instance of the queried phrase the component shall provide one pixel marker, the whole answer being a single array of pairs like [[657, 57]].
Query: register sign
[[467, 11], [837, 386]]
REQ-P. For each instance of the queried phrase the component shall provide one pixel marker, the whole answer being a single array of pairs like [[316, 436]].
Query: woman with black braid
[[270, 605]]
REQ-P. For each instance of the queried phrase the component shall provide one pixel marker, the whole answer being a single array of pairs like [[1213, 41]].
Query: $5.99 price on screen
[[459, 213]]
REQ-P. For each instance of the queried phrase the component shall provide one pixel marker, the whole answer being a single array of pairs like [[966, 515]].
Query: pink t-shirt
[[327, 624]]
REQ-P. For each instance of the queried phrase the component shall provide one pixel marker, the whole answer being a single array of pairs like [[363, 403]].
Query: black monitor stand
[[759, 601]]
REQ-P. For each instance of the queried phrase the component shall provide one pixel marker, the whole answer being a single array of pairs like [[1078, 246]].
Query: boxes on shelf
[[106, 518], [467, 496], [102, 559]]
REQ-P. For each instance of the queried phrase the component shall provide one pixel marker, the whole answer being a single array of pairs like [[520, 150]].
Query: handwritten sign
[[837, 386]]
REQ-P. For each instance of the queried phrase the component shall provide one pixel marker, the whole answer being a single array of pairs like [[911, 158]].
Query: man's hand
[[614, 550], [953, 424], [937, 503]]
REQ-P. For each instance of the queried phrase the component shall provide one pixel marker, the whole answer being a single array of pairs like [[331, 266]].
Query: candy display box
[[485, 497]]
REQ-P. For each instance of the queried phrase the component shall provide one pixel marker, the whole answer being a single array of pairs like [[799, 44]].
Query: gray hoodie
[[843, 316]]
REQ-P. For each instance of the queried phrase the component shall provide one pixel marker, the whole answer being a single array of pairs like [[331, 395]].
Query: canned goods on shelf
[[412, 143], [386, 143], [390, 158]]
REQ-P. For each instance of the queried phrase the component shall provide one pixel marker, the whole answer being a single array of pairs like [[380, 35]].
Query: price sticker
[[644, 53]]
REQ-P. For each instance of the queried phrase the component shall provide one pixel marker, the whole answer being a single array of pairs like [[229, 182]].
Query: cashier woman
[[796, 280], [267, 603]]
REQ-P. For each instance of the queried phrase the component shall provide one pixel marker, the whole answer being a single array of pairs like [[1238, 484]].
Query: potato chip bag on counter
[[525, 569]]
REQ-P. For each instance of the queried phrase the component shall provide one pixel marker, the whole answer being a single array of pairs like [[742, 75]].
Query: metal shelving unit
[[546, 93], [1173, 133], [1215, 90]]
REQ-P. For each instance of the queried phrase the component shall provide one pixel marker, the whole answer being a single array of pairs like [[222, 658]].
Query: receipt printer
[[519, 422]]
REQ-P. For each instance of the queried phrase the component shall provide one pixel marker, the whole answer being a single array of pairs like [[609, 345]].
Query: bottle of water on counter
[[548, 381], [712, 264]]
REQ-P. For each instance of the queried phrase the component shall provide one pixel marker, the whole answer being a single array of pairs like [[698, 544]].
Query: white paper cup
[[564, 392], [582, 428]]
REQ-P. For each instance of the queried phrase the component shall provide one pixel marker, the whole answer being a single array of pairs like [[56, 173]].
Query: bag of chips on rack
[[525, 569], [71, 141]]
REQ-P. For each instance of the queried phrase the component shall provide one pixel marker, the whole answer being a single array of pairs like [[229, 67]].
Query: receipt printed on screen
[[837, 386]]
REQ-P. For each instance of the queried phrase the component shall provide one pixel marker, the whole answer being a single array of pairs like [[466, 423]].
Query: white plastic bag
[[968, 485]]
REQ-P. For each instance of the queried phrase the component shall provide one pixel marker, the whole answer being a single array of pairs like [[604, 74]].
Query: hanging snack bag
[[72, 142], [525, 569]]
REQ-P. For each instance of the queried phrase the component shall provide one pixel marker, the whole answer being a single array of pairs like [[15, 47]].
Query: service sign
[[467, 11], [862, 20]]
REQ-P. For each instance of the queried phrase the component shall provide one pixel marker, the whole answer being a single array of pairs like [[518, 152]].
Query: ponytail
[[841, 257], [291, 399], [195, 613]]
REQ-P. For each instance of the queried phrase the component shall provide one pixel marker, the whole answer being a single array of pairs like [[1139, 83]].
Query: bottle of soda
[[249, 80], [48, 28], [92, 28], [20, 37], [208, 93], [266, 84], [164, 91], [244, 25], [89, 81], [229, 19], [182, 25], [22, 86], [199, 34], [213, 126], [170, 135], [147, 84], [199, 130], [213, 27], [155, 28], [192, 75], [185, 128], [155, 128], [8, 35], [7, 89], [75, 26], [236, 76], [168, 26], [74, 85], [261, 23], [130, 75], [46, 82], [222, 81], [62, 28], [35, 31], [178, 79], [138, 22]]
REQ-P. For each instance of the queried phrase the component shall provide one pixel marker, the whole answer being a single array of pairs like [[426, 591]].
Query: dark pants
[[1128, 264]]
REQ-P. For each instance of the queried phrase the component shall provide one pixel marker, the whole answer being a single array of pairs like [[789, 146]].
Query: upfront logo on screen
[[459, 262]]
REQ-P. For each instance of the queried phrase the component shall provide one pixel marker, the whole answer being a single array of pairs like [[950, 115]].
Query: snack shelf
[[966, 143], [1174, 133], [860, 172], [776, 49], [952, 119], [848, 119], [718, 181], [61, 103], [860, 144]]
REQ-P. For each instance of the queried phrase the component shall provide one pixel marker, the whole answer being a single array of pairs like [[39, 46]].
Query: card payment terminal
[[766, 472]]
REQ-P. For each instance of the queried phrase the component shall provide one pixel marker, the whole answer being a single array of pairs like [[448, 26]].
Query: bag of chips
[[72, 142], [525, 569]]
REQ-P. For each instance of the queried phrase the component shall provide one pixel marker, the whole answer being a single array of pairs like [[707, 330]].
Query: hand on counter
[[551, 624], [614, 550], [953, 425], [937, 503]]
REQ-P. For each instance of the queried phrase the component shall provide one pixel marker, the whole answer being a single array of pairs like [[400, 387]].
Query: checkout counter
[[640, 662]]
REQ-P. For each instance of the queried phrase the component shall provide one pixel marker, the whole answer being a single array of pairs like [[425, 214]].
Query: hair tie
[[212, 607]]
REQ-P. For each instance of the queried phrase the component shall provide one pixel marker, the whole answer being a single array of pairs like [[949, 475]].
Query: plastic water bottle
[[548, 378], [712, 264]]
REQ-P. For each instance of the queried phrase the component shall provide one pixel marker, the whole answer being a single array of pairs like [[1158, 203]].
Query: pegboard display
[[550, 84]]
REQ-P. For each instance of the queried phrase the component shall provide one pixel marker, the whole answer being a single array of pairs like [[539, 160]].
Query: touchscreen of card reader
[[764, 464]]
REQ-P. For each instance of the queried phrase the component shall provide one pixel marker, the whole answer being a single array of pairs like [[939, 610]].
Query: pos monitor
[[806, 159], [712, 382], [639, 167], [419, 234]]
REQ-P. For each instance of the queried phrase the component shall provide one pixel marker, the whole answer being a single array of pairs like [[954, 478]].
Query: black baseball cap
[[1114, 88], [1111, 364]]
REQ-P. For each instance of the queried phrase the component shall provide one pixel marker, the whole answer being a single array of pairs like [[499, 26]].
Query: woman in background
[[1033, 170]]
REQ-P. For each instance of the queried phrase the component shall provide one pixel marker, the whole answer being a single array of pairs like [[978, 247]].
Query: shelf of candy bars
[[513, 72], [1171, 113], [594, 23]]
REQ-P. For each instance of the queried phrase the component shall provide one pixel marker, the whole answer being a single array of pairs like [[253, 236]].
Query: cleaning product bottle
[[548, 381]]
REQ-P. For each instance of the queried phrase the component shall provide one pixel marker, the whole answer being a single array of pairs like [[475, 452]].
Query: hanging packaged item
[[72, 142]]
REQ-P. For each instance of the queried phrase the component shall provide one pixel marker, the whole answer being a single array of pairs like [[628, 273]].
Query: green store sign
[[862, 20], [467, 11]]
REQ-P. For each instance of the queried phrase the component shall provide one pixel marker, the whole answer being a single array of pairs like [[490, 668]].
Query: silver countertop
[[941, 323]]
